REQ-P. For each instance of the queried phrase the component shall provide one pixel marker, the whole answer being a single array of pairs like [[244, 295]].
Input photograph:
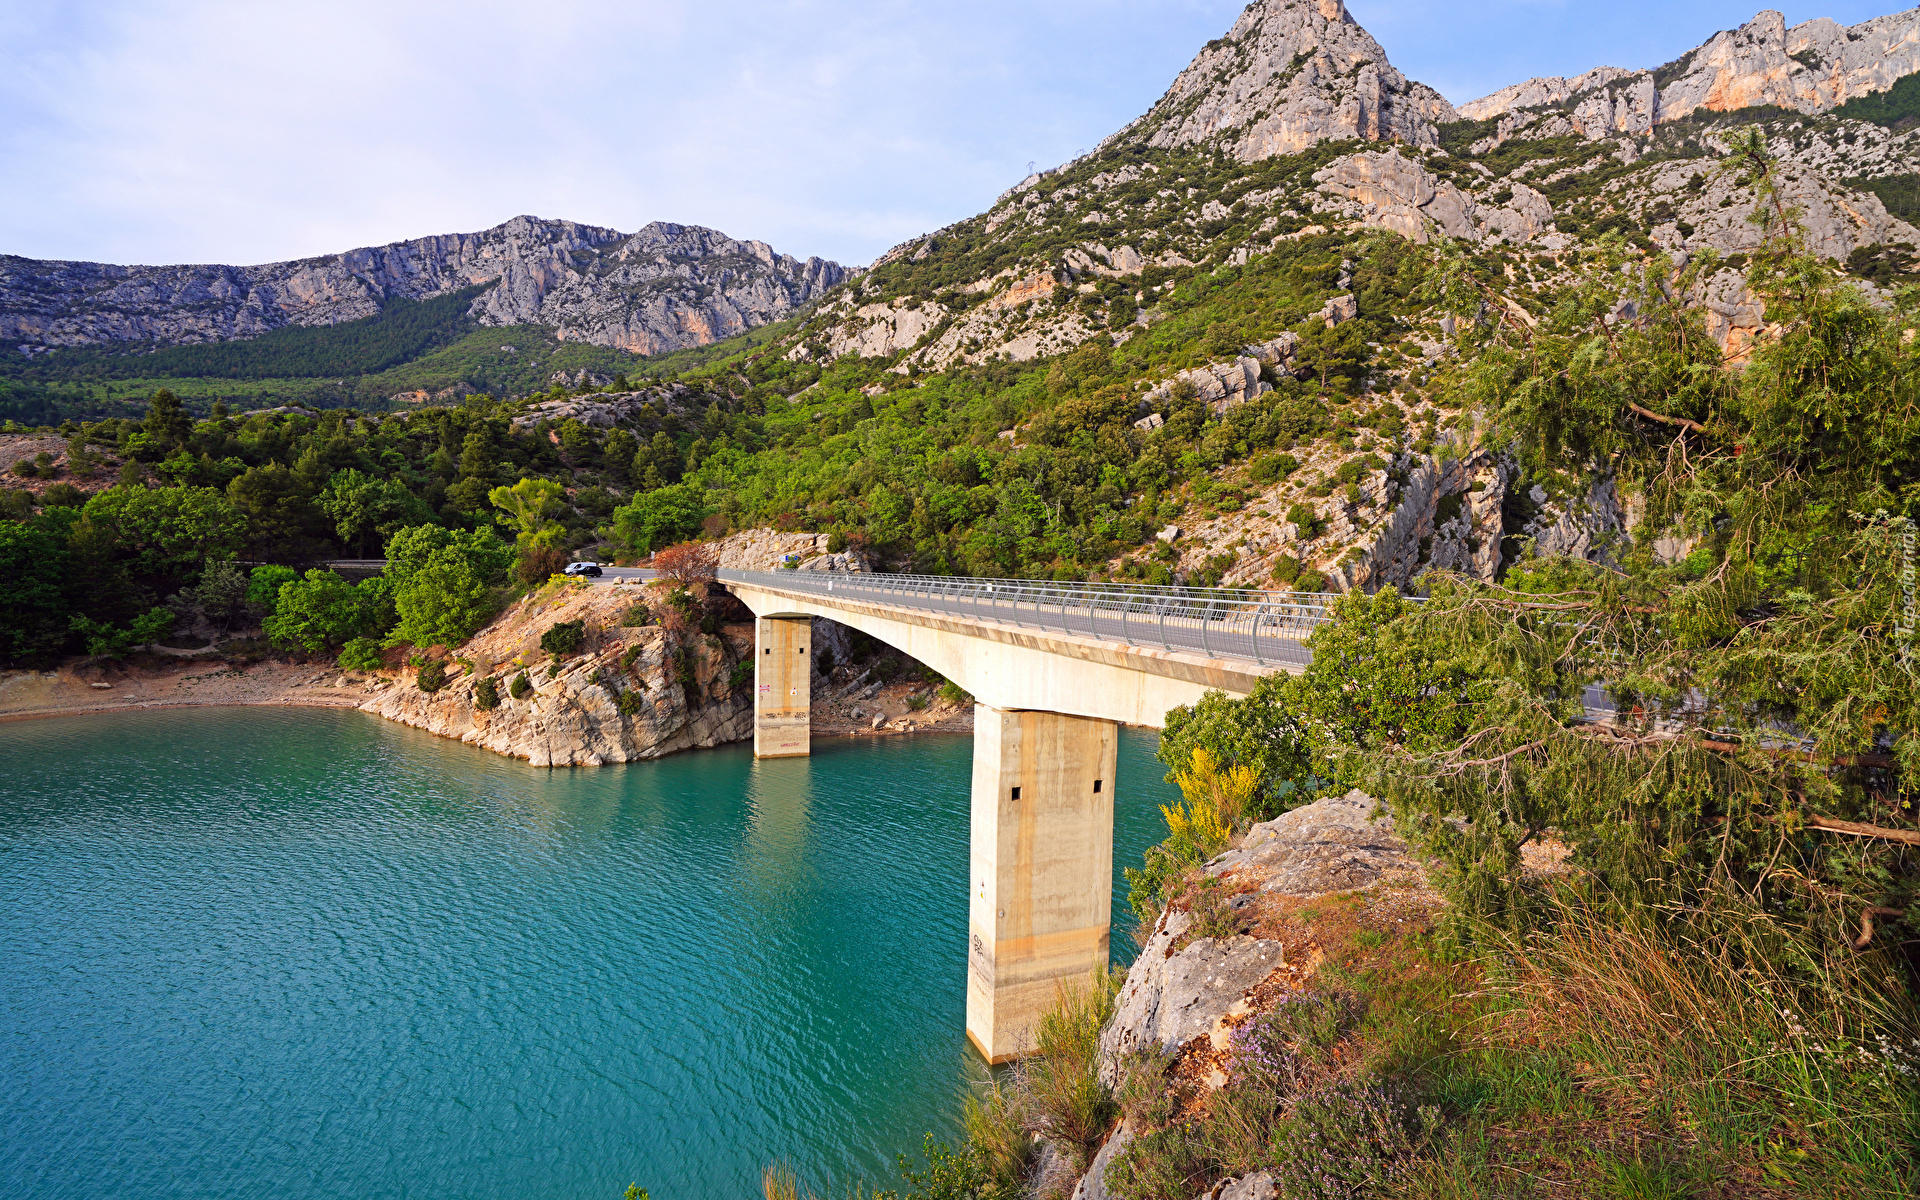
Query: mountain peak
[[1291, 73]]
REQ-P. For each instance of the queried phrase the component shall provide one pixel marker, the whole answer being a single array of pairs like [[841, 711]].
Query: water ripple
[[291, 954]]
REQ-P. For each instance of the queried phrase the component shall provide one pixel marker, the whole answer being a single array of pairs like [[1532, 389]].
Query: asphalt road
[[612, 575]]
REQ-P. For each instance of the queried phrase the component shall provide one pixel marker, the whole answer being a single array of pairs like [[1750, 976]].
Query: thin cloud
[[220, 131]]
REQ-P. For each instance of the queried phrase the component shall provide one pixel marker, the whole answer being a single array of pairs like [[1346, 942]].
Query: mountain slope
[[663, 288]]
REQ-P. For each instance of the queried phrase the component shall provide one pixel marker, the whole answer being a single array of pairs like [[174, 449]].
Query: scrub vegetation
[[1715, 994]]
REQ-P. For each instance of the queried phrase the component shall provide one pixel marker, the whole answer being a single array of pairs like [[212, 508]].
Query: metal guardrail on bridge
[[1235, 623]]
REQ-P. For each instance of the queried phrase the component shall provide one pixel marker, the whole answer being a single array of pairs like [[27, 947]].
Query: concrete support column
[[1042, 863], [782, 687]]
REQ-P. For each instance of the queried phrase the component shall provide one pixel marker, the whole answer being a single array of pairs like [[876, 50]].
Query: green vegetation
[[1900, 193], [402, 331], [564, 639], [1699, 995]]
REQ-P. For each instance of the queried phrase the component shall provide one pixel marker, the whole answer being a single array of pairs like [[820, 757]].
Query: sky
[[163, 131]]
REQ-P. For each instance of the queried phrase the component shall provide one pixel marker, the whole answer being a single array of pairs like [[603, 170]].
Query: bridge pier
[[782, 687], [1040, 908]]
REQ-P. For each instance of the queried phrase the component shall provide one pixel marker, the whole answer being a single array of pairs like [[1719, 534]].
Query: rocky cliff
[[632, 692], [1044, 269], [1812, 67], [664, 288]]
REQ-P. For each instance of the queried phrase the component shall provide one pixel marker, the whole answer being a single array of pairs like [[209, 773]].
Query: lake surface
[[310, 953]]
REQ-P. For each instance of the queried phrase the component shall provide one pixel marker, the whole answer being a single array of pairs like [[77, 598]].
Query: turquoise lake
[[309, 953]]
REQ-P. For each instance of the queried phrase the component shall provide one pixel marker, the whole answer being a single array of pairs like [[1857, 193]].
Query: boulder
[[1332, 845]]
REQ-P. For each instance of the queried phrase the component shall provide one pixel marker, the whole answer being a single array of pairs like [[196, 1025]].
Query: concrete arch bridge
[[1055, 669]]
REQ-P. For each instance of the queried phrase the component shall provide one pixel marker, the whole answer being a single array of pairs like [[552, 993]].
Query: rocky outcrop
[[1333, 845], [1815, 66], [1220, 386], [1536, 93], [1180, 989], [1185, 994], [1389, 190], [1836, 220], [765, 550], [882, 330], [663, 288], [632, 693], [1289, 74]]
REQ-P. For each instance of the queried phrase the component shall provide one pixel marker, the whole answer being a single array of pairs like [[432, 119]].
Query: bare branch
[[1855, 829]]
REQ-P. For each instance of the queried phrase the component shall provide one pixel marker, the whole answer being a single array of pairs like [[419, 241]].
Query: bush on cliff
[[432, 675], [485, 695], [563, 639], [521, 687]]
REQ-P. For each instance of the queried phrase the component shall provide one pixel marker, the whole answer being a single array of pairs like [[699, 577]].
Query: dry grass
[[1060, 1088]]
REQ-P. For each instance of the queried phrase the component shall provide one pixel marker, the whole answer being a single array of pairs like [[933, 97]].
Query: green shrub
[[1310, 581], [361, 654], [563, 640], [485, 695], [1286, 569], [432, 675], [1164, 1164], [264, 584], [1303, 517], [521, 687], [741, 675], [1272, 468], [627, 702], [953, 693], [637, 616]]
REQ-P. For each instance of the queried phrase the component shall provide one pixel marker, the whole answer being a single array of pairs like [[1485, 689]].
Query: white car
[[589, 570]]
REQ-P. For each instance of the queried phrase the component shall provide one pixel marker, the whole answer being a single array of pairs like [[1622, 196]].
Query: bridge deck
[[1262, 628]]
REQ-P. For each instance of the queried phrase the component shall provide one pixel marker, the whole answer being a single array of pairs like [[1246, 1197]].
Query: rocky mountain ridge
[[1810, 68], [1237, 157], [665, 287]]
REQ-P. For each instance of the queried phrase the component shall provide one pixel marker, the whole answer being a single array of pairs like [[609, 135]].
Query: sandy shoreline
[[31, 695], [37, 695]]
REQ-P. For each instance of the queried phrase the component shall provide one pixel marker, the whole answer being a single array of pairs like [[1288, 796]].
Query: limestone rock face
[[1171, 998], [1812, 67], [1388, 189], [575, 719], [1536, 92], [1220, 386], [663, 288], [1331, 845], [1291, 73]]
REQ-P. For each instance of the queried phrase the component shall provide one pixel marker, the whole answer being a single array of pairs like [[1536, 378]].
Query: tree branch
[[1866, 923], [1650, 415], [1855, 829]]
